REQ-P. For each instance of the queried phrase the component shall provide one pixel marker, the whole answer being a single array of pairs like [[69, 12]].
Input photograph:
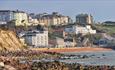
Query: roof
[[32, 33], [15, 11], [4, 10], [82, 15], [51, 16]]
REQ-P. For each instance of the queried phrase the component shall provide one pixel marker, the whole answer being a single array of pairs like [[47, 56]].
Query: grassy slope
[[109, 29]]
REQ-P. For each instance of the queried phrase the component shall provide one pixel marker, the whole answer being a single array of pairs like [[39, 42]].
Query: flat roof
[[12, 11]]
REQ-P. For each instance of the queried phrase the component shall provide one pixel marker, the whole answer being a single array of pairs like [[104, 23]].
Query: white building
[[3, 23], [80, 29], [83, 30], [60, 42], [37, 38], [69, 42]]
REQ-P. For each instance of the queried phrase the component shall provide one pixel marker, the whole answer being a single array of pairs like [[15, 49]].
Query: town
[[55, 30], [57, 35]]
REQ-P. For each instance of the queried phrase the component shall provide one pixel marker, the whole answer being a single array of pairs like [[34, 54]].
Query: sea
[[93, 58]]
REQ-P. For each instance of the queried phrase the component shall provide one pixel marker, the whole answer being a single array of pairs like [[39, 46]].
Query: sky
[[101, 10]]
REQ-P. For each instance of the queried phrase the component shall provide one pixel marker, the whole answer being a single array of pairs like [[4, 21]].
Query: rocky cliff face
[[9, 41]]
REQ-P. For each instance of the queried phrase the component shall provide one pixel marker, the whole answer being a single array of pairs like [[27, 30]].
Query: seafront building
[[74, 35], [35, 38], [69, 42], [62, 43], [20, 18]]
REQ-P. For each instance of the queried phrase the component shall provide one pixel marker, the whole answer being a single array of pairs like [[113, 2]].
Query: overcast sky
[[101, 10]]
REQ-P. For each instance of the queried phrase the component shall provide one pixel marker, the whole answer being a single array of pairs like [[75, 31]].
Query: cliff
[[9, 41]]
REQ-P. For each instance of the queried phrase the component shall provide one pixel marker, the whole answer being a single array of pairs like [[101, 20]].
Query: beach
[[76, 49]]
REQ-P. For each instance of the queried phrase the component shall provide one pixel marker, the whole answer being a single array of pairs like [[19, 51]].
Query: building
[[83, 30], [69, 42], [79, 29], [32, 21], [60, 42], [20, 17], [36, 38], [84, 19], [3, 23], [53, 19], [6, 15]]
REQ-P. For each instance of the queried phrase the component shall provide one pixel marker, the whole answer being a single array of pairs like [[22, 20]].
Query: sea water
[[94, 58]]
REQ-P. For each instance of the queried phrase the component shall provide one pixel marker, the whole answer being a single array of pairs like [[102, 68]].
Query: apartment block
[[84, 19], [20, 18], [36, 38], [51, 19]]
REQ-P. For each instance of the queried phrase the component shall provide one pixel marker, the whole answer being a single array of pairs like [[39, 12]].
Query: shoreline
[[76, 49]]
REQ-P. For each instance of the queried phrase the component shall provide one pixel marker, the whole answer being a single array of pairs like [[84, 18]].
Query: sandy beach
[[77, 49]]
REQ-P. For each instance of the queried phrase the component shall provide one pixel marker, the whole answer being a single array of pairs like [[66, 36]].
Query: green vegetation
[[109, 29], [51, 36], [97, 36]]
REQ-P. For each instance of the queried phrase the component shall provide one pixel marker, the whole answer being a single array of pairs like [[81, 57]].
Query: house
[[79, 29], [69, 42], [60, 42], [36, 38], [83, 29]]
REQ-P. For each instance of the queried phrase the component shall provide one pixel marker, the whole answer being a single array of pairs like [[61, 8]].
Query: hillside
[[9, 41], [109, 29]]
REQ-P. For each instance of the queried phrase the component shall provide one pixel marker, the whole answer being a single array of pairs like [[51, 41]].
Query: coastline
[[76, 49]]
